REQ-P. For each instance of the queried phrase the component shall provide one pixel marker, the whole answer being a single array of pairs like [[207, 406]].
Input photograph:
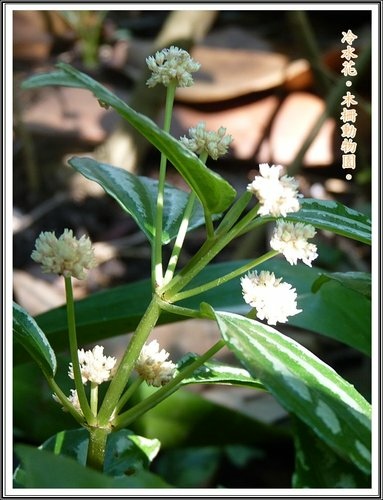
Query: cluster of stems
[[167, 289]]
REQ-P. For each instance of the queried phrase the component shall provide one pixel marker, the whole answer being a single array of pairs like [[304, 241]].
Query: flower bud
[[169, 65], [215, 144], [66, 255]]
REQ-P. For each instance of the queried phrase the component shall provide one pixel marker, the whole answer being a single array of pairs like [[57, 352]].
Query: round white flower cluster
[[272, 299], [215, 144], [152, 366], [291, 240], [170, 65], [94, 366], [66, 255], [277, 193]]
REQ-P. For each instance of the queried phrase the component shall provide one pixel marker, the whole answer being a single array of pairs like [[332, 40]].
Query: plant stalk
[[157, 268], [223, 279], [74, 352], [120, 379], [180, 238], [205, 254], [97, 445]]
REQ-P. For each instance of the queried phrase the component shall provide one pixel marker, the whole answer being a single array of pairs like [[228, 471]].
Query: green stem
[[157, 270], [97, 446], [65, 401], [128, 394], [179, 311], [74, 352], [120, 379], [205, 254], [209, 225], [129, 416], [94, 398], [223, 279], [180, 238], [234, 213], [208, 219]]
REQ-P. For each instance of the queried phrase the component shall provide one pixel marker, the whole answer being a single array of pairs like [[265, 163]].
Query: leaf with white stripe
[[331, 216], [318, 466], [304, 385], [27, 332], [137, 195], [215, 372]]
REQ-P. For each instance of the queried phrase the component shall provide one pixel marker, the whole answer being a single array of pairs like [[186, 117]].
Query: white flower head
[[291, 240], [272, 299], [215, 144], [152, 366], [171, 64], [66, 255], [277, 193], [94, 366], [73, 398]]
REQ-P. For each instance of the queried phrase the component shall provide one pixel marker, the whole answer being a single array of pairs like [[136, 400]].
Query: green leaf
[[124, 450], [334, 311], [138, 196], [215, 372], [193, 467], [304, 385], [72, 443], [27, 332], [57, 78], [335, 217], [331, 216], [44, 469], [358, 281], [126, 453], [317, 466], [215, 194]]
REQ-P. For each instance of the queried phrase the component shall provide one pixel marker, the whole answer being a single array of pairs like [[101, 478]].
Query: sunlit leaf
[[213, 191], [304, 385]]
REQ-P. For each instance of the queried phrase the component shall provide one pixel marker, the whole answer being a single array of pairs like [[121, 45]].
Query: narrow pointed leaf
[[215, 372], [358, 281], [58, 78], [137, 195], [334, 311], [335, 217], [330, 216], [213, 191], [304, 385], [27, 332]]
